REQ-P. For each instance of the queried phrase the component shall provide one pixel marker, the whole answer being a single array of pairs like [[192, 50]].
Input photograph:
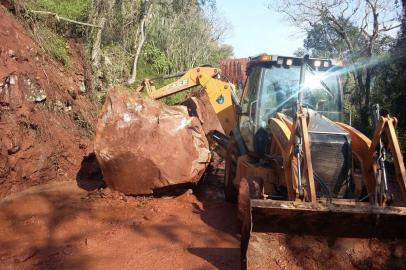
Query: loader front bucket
[[338, 235]]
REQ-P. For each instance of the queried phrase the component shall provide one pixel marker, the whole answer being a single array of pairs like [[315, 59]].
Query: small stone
[[11, 53], [72, 93], [58, 105], [82, 146], [37, 94], [82, 88], [13, 150], [12, 80], [106, 191], [40, 98]]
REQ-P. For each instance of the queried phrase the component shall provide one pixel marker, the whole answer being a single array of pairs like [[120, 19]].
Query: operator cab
[[277, 84]]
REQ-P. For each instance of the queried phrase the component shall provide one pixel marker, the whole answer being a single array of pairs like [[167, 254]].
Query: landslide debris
[[44, 114]]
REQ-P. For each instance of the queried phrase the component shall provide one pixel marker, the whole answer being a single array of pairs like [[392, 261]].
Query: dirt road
[[60, 226]]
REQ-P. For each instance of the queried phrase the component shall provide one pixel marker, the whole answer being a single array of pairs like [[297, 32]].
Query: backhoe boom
[[220, 93]]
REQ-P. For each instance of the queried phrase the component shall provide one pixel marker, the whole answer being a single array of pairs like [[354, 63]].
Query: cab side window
[[251, 92], [249, 104]]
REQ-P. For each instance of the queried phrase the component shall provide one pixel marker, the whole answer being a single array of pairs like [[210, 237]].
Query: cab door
[[249, 103]]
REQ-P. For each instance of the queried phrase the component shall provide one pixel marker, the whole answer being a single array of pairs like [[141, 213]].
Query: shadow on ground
[[90, 176]]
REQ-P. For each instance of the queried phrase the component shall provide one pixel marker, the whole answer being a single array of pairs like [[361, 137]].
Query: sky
[[256, 29]]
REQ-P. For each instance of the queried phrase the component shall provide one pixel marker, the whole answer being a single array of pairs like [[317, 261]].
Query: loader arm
[[364, 150], [301, 185], [220, 93]]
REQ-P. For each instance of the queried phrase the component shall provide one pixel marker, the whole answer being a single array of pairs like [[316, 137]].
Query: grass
[[51, 36], [54, 44], [72, 9]]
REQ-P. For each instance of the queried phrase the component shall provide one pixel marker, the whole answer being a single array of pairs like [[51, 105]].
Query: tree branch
[[58, 18], [385, 29]]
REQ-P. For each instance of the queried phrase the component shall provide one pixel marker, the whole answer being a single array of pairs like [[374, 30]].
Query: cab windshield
[[281, 90]]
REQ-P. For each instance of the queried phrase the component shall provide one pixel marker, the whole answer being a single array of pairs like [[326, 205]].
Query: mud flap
[[337, 234]]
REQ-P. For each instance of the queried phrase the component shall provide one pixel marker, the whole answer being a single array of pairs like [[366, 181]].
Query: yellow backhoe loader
[[292, 165]]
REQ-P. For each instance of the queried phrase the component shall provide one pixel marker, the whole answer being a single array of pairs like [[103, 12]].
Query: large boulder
[[143, 145]]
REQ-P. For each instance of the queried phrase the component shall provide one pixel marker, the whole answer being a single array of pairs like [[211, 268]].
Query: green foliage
[[72, 9], [323, 40], [187, 35], [220, 53], [176, 98], [180, 97], [54, 44], [155, 57], [389, 89], [180, 34]]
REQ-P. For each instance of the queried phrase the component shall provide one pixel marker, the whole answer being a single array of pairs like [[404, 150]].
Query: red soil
[[40, 141], [59, 226]]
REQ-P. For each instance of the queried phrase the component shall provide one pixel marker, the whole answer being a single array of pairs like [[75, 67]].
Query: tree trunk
[[361, 100], [139, 39], [96, 47], [368, 87]]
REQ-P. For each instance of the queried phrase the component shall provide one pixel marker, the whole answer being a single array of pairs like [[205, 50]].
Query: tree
[[323, 41], [146, 7], [354, 28], [100, 12], [391, 82], [187, 34], [146, 37]]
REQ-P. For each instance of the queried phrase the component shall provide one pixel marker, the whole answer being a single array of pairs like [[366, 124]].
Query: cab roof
[[287, 61]]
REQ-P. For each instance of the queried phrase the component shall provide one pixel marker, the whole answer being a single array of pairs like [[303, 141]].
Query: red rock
[[143, 145], [199, 106]]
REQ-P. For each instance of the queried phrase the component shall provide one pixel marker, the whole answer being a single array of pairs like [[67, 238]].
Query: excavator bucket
[[322, 235]]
